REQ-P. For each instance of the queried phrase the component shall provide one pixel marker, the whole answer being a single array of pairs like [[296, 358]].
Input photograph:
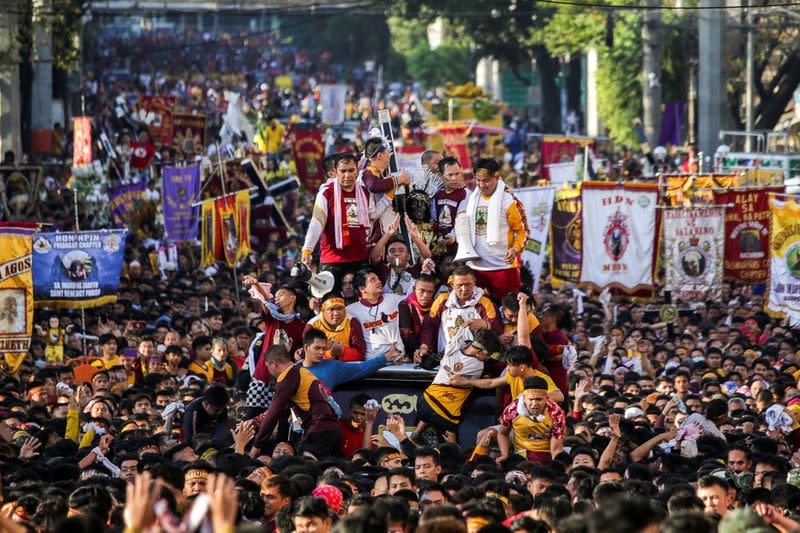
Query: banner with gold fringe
[[16, 293]]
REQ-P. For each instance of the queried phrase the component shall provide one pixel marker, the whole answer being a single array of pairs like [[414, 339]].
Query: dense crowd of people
[[203, 399]]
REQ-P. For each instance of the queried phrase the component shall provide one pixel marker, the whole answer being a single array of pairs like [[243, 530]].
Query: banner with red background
[[82, 143], [160, 129], [455, 142], [560, 150], [747, 234], [309, 151]]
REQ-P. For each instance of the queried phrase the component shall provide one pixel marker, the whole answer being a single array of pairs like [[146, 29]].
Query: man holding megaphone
[[340, 222]]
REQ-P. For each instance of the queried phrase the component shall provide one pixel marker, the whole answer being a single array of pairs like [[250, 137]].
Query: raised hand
[[140, 500], [613, 423], [223, 502], [243, 434], [29, 449]]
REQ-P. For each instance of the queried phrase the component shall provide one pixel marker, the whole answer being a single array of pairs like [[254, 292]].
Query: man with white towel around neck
[[499, 230]]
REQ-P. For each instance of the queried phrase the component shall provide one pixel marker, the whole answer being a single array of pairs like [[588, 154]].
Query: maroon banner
[[746, 234], [309, 151], [560, 150], [160, 128], [188, 135]]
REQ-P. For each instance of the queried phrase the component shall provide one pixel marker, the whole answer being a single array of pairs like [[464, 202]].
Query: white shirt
[[380, 324]]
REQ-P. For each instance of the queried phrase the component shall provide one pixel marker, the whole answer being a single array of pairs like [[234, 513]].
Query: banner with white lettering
[[74, 270], [694, 252], [538, 202], [16, 293], [783, 289], [620, 231]]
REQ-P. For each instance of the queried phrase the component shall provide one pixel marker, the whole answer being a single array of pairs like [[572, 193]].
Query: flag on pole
[[82, 141]]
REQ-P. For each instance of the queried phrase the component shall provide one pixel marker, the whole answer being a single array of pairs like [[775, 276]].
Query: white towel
[[495, 211], [361, 205]]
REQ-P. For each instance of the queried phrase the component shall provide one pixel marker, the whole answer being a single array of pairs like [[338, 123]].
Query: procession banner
[[231, 239], [208, 233], [122, 201], [188, 135], [309, 151], [757, 177], [333, 98], [538, 202], [565, 238], [455, 143], [691, 189], [560, 149], [620, 236], [747, 234], [180, 188], [16, 293], [242, 224], [159, 124], [783, 290], [694, 243], [82, 141], [77, 270]]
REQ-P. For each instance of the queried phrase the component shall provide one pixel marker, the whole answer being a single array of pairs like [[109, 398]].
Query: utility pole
[[750, 79], [710, 79], [10, 100], [651, 70], [42, 89]]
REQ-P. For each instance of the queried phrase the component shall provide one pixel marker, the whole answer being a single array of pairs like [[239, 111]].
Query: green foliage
[[434, 67], [484, 109]]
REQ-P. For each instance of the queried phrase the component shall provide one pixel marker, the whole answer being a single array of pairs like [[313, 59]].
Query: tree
[[435, 67]]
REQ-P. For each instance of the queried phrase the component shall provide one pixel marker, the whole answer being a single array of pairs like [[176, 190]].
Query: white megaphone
[[320, 283], [466, 252]]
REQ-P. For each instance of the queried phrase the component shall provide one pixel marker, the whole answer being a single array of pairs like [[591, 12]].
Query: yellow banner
[[243, 224], [207, 220], [783, 297], [16, 293], [283, 82]]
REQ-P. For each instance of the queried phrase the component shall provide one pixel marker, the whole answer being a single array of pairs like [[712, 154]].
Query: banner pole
[[78, 230], [235, 270]]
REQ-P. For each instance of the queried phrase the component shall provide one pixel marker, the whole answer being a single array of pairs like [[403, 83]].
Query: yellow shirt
[[274, 135], [203, 370], [511, 327], [107, 363], [531, 435], [446, 401], [516, 383]]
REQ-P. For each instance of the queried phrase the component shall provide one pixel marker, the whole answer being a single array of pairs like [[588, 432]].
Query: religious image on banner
[[16, 293], [156, 112], [124, 200], [783, 290], [309, 151], [77, 270], [565, 237], [19, 191], [188, 135], [82, 141], [538, 202], [243, 224], [693, 190], [746, 234], [620, 236], [558, 149], [226, 240], [694, 252], [180, 187], [208, 233], [333, 99]]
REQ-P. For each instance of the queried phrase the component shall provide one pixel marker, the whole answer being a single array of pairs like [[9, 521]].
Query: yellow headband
[[498, 496], [333, 302], [484, 173], [543, 391], [196, 474], [476, 523], [34, 390], [391, 457], [209, 453]]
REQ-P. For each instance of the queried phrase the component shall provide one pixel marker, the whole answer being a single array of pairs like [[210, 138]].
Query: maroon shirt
[[444, 209], [554, 366]]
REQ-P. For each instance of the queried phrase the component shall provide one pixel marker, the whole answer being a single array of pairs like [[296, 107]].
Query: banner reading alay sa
[[747, 234], [620, 236], [693, 252], [74, 270], [783, 290], [309, 151], [565, 238], [538, 202], [16, 293]]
